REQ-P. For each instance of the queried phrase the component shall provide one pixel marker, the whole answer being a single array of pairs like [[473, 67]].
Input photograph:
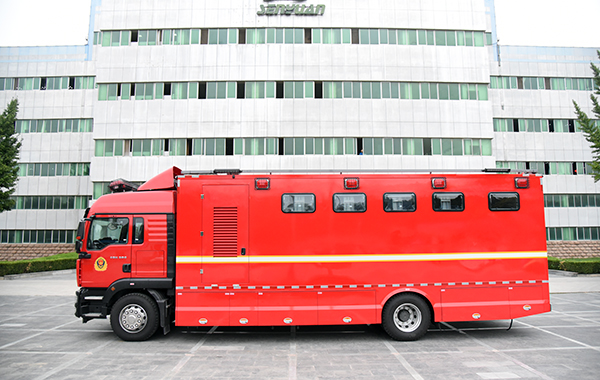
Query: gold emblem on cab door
[[100, 264]]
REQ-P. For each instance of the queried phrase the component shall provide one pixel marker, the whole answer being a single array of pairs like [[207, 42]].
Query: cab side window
[[138, 230], [107, 231]]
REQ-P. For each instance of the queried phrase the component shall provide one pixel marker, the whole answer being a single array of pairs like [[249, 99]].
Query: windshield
[[107, 231]]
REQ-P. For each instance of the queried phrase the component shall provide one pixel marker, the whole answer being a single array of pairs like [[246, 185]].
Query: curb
[[37, 274], [562, 273]]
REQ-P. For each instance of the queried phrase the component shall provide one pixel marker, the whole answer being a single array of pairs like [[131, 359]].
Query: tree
[[9, 154], [590, 127]]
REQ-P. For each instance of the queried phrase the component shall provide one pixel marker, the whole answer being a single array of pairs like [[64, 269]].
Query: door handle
[[126, 268], [243, 251]]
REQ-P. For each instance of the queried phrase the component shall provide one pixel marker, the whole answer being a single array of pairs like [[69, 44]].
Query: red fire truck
[[227, 248]]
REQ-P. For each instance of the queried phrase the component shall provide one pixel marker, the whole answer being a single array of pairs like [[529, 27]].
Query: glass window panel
[[376, 90], [223, 36], [467, 145], [482, 92], [503, 201], [464, 91], [158, 147], [486, 147], [270, 89], [446, 147], [211, 90], [454, 91], [152, 37], [350, 146], [316, 36], [336, 36], [109, 148], [346, 36], [271, 36], [412, 37], [422, 37], [355, 202], [298, 36], [430, 37], [279, 35], [222, 89], [195, 37], [233, 36], [356, 90], [347, 90], [457, 147], [272, 146], [289, 36], [118, 147], [319, 146], [299, 146], [444, 91], [363, 36], [298, 203], [440, 38], [399, 202], [378, 146], [299, 90], [448, 202], [366, 90], [451, 38], [288, 146], [309, 144], [288, 89], [385, 90], [149, 93], [383, 36], [373, 36], [213, 36], [479, 38], [402, 37], [469, 38], [395, 90], [136, 147], [260, 36]]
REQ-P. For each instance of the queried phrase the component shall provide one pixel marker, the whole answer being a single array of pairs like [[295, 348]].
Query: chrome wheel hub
[[407, 317], [133, 318]]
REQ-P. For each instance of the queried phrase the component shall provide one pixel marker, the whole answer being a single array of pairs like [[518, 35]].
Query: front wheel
[[406, 317], [134, 317]]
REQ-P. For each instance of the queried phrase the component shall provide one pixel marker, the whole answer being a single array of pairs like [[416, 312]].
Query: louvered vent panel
[[225, 230]]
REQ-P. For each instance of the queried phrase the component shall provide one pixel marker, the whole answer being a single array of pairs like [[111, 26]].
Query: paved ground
[[41, 339]]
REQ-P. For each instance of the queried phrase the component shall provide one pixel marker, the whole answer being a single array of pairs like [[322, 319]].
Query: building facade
[[292, 85]]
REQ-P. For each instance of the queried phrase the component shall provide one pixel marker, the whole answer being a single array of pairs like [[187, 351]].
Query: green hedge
[[583, 266], [41, 264]]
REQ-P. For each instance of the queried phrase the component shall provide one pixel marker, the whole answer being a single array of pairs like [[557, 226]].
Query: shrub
[[41, 264], [583, 266]]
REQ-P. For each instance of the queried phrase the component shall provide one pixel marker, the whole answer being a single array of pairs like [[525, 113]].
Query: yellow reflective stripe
[[361, 258]]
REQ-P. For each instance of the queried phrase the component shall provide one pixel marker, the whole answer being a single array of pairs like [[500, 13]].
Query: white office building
[[323, 84]]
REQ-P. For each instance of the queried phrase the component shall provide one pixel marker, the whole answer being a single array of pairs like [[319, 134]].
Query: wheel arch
[[417, 292]]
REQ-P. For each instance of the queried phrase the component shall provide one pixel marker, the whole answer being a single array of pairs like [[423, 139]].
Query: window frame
[[314, 198], [344, 211], [433, 199], [492, 193], [413, 196]]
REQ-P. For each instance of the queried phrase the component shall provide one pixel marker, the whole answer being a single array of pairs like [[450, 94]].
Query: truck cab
[[126, 246]]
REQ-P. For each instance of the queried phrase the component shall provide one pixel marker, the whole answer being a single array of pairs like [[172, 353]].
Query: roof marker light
[[438, 183], [262, 183], [351, 183], [522, 183]]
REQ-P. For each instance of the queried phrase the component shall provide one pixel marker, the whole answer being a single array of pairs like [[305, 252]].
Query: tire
[[406, 317], [134, 317]]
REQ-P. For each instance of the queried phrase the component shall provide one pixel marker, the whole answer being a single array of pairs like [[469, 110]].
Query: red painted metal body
[[240, 260]]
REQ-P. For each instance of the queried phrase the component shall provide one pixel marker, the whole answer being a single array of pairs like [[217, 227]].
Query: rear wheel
[[406, 317], [134, 317]]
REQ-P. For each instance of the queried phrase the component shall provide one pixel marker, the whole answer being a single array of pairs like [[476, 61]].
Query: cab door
[[109, 245], [224, 234], [149, 246]]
